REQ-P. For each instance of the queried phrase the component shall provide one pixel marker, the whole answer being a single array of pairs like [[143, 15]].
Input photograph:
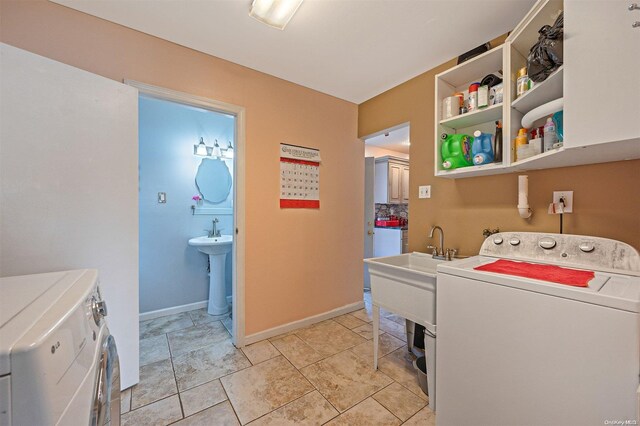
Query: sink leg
[[376, 328], [217, 297]]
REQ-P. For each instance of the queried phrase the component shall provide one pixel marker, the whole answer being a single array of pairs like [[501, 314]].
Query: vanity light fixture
[[275, 13], [201, 149], [229, 151], [216, 152]]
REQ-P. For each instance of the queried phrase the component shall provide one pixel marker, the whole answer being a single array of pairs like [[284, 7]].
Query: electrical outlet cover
[[424, 191], [568, 199]]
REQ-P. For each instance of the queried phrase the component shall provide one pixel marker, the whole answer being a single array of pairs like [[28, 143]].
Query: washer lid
[[617, 291], [24, 300]]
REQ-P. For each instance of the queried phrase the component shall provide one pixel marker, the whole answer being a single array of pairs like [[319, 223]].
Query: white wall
[[68, 169], [376, 151], [171, 272]]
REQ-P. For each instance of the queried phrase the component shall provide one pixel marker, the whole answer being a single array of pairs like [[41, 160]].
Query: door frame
[[238, 264]]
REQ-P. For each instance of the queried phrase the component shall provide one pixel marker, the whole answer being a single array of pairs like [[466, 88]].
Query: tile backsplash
[[386, 210]]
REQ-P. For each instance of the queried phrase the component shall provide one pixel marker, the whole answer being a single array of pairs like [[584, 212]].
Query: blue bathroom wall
[[171, 272]]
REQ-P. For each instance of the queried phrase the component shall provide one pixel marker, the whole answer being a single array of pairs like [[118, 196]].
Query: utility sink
[[217, 249], [213, 245]]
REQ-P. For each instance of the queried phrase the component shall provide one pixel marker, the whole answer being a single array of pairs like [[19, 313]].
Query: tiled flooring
[[191, 374]]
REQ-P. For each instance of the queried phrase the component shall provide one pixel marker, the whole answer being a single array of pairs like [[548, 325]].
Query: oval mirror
[[213, 180]]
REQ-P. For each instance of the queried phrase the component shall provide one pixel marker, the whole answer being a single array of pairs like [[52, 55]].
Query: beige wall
[[606, 200], [298, 262]]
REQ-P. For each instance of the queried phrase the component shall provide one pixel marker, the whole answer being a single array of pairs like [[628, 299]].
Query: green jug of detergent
[[456, 151]]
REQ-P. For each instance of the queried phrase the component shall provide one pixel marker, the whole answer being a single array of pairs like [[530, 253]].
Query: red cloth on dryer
[[552, 273]]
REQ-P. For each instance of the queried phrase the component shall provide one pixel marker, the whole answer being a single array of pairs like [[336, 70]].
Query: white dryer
[[522, 351], [58, 362]]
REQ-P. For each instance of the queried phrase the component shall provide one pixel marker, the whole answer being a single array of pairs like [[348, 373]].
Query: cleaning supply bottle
[[520, 140], [481, 148], [498, 143], [456, 151], [549, 134]]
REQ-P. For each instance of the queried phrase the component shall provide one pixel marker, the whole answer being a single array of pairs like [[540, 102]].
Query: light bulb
[[200, 149]]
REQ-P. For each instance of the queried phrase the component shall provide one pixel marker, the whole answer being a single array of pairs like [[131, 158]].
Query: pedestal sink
[[217, 249]]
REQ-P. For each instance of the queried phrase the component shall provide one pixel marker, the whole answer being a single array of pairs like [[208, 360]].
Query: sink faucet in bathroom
[[215, 232], [444, 254]]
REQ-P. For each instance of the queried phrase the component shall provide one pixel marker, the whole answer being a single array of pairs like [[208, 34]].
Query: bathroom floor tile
[[196, 337], [156, 382], [125, 401], [260, 351], [201, 397], [345, 379], [205, 364], [262, 388], [154, 349], [165, 324], [201, 316], [366, 331], [159, 413], [424, 417], [387, 344], [329, 338], [296, 351], [368, 413], [363, 315], [400, 401], [218, 415], [349, 321], [228, 324], [311, 409], [399, 366]]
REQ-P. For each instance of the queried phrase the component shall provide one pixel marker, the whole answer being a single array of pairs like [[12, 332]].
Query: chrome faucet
[[443, 254], [215, 232]]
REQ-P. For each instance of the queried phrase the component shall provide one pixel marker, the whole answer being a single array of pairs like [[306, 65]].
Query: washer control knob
[[514, 241], [547, 243], [98, 309], [497, 241], [587, 247]]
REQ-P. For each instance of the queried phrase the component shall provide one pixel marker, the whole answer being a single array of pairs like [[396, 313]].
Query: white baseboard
[[256, 337], [177, 309], [173, 310]]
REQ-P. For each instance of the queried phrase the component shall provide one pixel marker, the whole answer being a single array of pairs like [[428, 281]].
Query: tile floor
[[191, 374]]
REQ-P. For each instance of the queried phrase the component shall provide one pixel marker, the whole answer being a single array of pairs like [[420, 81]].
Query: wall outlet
[[568, 199], [424, 191], [162, 197]]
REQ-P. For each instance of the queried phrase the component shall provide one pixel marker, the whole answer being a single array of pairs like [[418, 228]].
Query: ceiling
[[351, 49], [396, 139]]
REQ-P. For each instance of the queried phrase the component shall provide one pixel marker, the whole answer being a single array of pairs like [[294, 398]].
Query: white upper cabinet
[[602, 63], [391, 181], [598, 84]]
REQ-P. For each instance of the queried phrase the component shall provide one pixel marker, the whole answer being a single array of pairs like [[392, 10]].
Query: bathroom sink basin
[[213, 245]]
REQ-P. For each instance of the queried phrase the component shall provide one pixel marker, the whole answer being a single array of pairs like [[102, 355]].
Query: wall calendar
[[299, 177]]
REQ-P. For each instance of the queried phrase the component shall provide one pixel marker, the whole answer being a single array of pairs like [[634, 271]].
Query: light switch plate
[[162, 197], [568, 199], [424, 191]]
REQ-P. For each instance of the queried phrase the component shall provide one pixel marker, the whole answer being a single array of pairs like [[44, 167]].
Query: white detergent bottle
[[550, 136]]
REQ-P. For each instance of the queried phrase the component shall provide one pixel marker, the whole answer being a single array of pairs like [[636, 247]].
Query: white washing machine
[[522, 351], [58, 362]]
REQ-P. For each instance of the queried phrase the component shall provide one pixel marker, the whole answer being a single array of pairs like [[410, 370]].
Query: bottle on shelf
[[550, 136], [481, 148], [520, 141], [472, 99], [523, 83], [498, 143]]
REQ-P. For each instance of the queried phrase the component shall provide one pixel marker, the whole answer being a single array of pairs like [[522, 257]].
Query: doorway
[[386, 200], [193, 207]]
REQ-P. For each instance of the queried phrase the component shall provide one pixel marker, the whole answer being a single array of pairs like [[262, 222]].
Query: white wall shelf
[[541, 93], [472, 171], [492, 113]]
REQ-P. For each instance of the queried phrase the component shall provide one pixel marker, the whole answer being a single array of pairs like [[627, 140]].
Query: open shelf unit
[[508, 59], [458, 79]]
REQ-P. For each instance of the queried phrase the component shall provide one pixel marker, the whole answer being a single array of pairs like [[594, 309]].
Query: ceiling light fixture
[[275, 13]]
